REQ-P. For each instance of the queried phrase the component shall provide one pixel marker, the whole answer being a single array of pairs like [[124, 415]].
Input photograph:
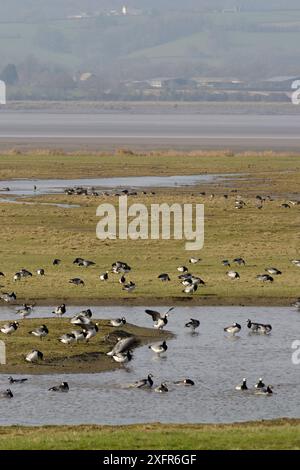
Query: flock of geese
[[122, 351], [189, 281]]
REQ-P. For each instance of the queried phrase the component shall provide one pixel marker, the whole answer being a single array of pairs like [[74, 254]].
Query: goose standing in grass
[[25, 273], [273, 271], [25, 311], [67, 338], [159, 348], [40, 332], [76, 281], [6, 393], [81, 320], [233, 274], [56, 262], [194, 260], [40, 272], [191, 289], [86, 263], [16, 381], [192, 324], [63, 387], [122, 280], [260, 383], [143, 383], [296, 262], [34, 356], [9, 328], [129, 287], [160, 320], [164, 277], [264, 278], [80, 335], [17, 277], [242, 386], [239, 261], [186, 382], [120, 267], [104, 276], [8, 297], [182, 269], [233, 329], [162, 388], [60, 310], [117, 322], [90, 331], [226, 262]]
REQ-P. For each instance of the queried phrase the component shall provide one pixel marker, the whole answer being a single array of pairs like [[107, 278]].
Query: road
[[144, 131]]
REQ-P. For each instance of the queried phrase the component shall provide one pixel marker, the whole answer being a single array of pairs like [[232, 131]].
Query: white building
[[2, 92]]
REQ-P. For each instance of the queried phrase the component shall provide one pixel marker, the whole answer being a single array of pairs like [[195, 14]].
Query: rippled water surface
[[215, 362], [25, 187]]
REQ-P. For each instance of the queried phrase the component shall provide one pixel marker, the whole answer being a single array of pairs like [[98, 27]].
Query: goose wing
[[155, 315], [123, 345]]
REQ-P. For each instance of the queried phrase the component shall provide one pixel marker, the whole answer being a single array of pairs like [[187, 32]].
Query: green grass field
[[268, 435], [32, 236]]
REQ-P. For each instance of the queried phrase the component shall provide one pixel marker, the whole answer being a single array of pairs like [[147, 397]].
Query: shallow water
[[29, 203], [25, 187], [215, 362]]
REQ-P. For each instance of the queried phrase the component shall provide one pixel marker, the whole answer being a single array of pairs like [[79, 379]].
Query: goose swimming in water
[[6, 394], [164, 277], [160, 320], [143, 383], [63, 387], [122, 346], [76, 281], [60, 310], [67, 338], [16, 381], [162, 388], [25, 311], [233, 274], [264, 391], [242, 386], [260, 383], [123, 357], [34, 356], [8, 297], [296, 304], [233, 329], [40, 332], [192, 324], [9, 328], [117, 322], [187, 382], [259, 327], [159, 348]]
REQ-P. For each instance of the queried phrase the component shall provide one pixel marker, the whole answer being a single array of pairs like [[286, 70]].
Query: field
[[268, 435], [31, 236]]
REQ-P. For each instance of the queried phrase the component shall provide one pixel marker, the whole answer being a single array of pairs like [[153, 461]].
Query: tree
[[10, 74]]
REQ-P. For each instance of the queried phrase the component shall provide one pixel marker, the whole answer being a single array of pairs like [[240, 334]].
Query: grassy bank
[[81, 357], [277, 434], [31, 236]]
